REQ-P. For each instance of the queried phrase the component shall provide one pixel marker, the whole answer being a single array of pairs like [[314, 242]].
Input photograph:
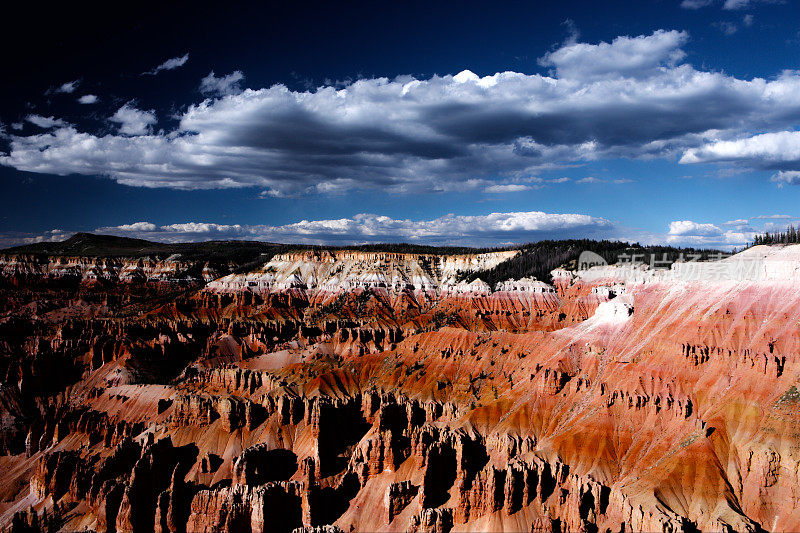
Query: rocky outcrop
[[334, 271], [91, 269], [273, 507], [259, 464], [432, 521], [618, 400], [154, 472], [398, 496]]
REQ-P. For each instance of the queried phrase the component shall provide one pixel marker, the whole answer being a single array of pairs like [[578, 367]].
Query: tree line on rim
[[790, 236]]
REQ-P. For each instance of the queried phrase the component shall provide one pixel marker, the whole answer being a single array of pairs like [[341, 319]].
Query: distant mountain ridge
[[95, 245], [92, 244], [98, 245]]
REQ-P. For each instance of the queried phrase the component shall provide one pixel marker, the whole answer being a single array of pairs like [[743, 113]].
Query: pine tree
[[790, 236]]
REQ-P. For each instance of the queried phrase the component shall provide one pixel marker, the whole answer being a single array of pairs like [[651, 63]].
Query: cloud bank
[[494, 229], [633, 97], [478, 230], [779, 150], [726, 4], [473, 230], [734, 233]]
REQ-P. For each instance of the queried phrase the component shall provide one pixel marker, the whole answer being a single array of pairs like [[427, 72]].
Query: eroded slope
[[378, 394]]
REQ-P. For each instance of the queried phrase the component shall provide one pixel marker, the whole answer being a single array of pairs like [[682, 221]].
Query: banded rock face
[[615, 399], [124, 270], [337, 271]]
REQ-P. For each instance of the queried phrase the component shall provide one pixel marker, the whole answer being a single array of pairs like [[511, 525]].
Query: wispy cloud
[[573, 33], [774, 217], [511, 187], [727, 27], [169, 64], [222, 86], [65, 88], [730, 5], [745, 4], [786, 177], [44, 122], [696, 4]]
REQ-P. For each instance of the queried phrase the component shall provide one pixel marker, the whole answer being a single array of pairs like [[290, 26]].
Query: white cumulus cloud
[[88, 99], [488, 230], [137, 227], [624, 56], [133, 121], [767, 150], [737, 234], [688, 227], [631, 97]]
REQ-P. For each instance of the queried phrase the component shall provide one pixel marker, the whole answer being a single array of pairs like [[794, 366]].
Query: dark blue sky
[[601, 141]]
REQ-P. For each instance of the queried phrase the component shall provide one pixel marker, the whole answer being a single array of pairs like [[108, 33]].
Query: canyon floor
[[379, 391]]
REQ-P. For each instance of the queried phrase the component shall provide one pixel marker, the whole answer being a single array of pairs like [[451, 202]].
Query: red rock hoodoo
[[355, 391]]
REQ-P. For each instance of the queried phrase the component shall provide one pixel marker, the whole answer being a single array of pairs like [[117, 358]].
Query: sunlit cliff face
[[616, 397]]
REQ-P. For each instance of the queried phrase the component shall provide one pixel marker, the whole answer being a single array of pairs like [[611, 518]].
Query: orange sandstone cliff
[[361, 391]]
